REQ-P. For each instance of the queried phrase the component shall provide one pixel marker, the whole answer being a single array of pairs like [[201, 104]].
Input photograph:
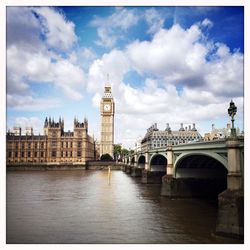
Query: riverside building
[[155, 138], [55, 146]]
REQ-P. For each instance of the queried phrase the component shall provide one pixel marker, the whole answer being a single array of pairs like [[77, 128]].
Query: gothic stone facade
[[54, 147]]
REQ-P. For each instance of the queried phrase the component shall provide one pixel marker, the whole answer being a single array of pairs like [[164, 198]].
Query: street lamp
[[232, 112]]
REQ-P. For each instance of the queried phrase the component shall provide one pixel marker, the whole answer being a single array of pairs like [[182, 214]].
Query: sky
[[165, 65]]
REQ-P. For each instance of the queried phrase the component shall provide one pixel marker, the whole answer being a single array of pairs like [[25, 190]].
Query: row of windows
[[28, 145], [27, 154], [21, 160], [66, 154], [155, 144], [175, 137], [42, 154], [66, 144], [41, 145], [170, 140]]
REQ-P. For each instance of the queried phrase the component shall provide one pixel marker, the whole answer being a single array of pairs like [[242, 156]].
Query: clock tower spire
[[107, 110]]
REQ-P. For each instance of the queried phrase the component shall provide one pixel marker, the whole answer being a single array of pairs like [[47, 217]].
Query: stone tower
[[107, 110]]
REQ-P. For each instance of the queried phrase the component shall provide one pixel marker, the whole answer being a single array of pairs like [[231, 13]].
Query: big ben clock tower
[[107, 110]]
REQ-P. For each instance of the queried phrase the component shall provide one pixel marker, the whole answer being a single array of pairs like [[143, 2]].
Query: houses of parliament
[[56, 146]]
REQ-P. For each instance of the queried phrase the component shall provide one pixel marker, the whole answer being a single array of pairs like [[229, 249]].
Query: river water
[[81, 207]]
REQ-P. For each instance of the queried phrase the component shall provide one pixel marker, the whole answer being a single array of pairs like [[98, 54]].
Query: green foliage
[[125, 151], [131, 151], [106, 157], [119, 152]]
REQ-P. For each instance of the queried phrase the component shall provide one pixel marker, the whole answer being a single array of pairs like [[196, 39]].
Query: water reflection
[[80, 207]]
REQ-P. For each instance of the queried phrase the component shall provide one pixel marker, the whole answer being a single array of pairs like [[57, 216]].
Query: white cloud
[[35, 66], [88, 53], [15, 84], [83, 56], [170, 53], [115, 64], [207, 23], [154, 20], [30, 60], [224, 76], [58, 31], [96, 99], [29, 103], [179, 57], [107, 39], [202, 97], [22, 28], [43, 68], [25, 122], [112, 28], [69, 77]]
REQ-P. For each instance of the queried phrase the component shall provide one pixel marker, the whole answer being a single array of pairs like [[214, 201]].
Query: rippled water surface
[[80, 207]]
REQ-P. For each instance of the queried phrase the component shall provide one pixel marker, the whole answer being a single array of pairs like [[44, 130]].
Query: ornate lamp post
[[232, 112], [230, 219]]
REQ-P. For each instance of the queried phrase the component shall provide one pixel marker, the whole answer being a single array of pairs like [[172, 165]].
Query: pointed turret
[[194, 129], [181, 129], [168, 129], [86, 123], [46, 122]]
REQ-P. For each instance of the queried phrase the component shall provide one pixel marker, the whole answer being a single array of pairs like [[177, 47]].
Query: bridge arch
[[206, 173], [158, 162], [127, 160], [212, 155], [132, 160], [141, 161]]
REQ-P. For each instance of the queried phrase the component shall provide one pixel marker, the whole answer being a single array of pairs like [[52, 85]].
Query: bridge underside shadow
[[157, 169], [141, 162], [136, 171], [197, 176]]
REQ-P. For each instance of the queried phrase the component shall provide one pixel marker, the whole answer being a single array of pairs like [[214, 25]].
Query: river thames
[[81, 207]]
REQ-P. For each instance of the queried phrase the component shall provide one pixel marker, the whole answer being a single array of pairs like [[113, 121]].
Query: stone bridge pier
[[230, 220], [155, 167], [142, 163]]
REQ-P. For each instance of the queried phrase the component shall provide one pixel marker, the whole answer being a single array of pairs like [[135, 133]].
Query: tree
[[125, 151], [117, 148], [106, 157], [117, 151], [131, 151]]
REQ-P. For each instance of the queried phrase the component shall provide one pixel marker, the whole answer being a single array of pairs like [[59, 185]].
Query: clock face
[[107, 107]]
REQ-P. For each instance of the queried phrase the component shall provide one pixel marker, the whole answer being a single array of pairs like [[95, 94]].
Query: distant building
[[220, 133], [155, 138], [55, 146], [29, 131], [17, 131], [138, 145]]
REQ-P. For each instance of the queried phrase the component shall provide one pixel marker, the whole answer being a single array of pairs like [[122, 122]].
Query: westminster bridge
[[211, 168], [199, 160]]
